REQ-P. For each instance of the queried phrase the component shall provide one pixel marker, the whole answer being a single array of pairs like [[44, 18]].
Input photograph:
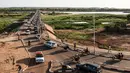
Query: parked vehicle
[[35, 27], [39, 58], [35, 31], [28, 32], [89, 68], [51, 44], [38, 36]]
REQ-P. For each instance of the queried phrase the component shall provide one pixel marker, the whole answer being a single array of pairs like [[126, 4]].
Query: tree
[[128, 18], [53, 12]]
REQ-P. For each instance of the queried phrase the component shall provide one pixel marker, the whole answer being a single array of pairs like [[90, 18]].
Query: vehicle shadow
[[30, 38], [70, 62], [38, 48], [27, 61], [116, 70], [20, 47], [58, 51], [111, 62], [49, 66], [24, 61]]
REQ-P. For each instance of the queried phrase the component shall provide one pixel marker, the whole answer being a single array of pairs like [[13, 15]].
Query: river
[[116, 13]]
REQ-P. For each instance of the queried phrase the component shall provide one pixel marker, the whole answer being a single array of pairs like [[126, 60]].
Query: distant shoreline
[[86, 12]]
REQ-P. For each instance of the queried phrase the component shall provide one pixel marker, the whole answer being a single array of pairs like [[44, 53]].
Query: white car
[[39, 58], [51, 44], [28, 32]]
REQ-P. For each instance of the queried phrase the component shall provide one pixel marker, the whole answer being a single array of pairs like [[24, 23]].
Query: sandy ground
[[11, 52]]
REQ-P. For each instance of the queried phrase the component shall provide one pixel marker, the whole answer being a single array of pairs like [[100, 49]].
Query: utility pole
[[94, 32]]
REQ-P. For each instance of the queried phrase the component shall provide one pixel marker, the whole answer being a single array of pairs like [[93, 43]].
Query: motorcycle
[[118, 56]]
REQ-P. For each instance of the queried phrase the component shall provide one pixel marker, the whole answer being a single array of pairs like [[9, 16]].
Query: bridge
[[58, 55]]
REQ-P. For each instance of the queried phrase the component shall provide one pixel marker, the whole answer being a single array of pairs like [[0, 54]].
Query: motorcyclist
[[118, 55], [86, 50], [77, 57], [121, 55], [66, 46]]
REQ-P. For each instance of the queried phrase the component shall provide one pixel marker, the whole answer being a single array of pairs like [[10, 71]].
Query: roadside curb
[[116, 69], [27, 53], [25, 68], [101, 55], [51, 65], [99, 50]]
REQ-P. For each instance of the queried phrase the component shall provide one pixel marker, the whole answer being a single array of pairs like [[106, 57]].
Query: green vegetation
[[73, 35], [103, 46], [80, 31], [7, 19], [63, 9], [66, 21]]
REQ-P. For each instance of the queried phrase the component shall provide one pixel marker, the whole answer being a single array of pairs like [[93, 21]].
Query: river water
[[116, 13]]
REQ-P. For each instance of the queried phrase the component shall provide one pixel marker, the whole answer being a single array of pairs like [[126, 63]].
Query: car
[[51, 44], [39, 58], [38, 36], [35, 27], [28, 32], [88, 67], [35, 31]]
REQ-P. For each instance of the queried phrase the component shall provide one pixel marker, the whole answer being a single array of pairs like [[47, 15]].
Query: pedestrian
[[18, 36], [121, 55], [29, 43], [74, 45], [86, 50], [109, 49], [13, 58], [19, 67], [62, 40]]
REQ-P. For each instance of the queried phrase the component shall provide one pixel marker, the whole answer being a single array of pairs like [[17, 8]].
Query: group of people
[[120, 55]]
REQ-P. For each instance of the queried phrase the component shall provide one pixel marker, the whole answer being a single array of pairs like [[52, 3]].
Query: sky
[[66, 3]]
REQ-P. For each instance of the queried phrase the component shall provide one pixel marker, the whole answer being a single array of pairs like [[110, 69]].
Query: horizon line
[[61, 7]]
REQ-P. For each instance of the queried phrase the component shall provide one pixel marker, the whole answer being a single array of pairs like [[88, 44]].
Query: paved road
[[60, 55], [33, 67]]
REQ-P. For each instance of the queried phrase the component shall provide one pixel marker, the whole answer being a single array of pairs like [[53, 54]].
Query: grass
[[73, 35], [65, 21], [7, 20], [103, 46]]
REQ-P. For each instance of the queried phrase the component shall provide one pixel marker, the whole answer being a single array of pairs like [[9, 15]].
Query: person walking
[[29, 43], [18, 36], [74, 45], [109, 49], [86, 51], [19, 68]]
